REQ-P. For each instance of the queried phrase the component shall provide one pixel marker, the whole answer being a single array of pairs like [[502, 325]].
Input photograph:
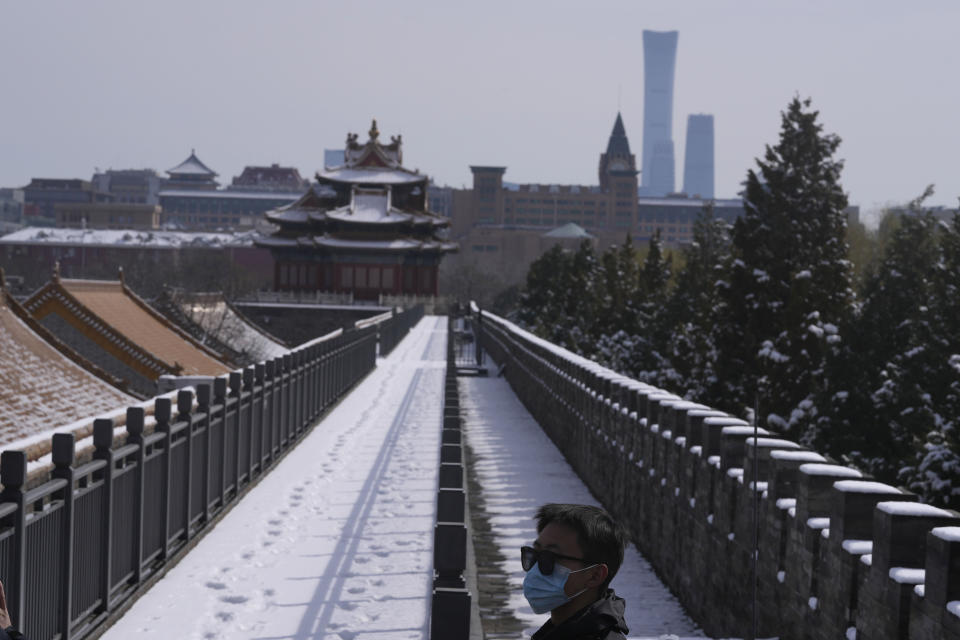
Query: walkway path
[[518, 469], [336, 542]]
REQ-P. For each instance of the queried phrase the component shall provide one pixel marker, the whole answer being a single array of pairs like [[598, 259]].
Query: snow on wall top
[[835, 470], [864, 486], [41, 389], [916, 509]]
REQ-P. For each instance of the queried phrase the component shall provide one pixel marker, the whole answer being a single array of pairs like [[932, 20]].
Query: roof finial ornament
[[56, 271], [374, 132], [120, 273]]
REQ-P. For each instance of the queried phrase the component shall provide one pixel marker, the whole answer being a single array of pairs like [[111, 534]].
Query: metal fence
[[81, 544], [392, 330]]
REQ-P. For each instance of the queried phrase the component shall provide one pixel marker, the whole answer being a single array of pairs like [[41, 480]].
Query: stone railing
[[703, 493]]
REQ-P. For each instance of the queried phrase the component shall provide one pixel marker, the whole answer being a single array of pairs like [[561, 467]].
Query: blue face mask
[[545, 593]]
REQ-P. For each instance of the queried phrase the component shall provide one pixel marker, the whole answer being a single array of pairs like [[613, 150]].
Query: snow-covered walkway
[[519, 468], [336, 542]]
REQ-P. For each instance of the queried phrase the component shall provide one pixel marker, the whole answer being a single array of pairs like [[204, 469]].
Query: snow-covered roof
[[371, 175], [40, 387], [233, 195], [121, 237], [222, 322], [193, 167], [569, 230], [397, 244]]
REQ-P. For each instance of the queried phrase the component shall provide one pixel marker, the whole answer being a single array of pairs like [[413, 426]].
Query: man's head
[[582, 531]]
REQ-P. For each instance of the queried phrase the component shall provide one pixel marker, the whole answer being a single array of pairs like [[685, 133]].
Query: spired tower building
[[618, 178], [659, 65]]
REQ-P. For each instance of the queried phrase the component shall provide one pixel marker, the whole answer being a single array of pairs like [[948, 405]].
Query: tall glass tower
[[659, 65], [698, 157]]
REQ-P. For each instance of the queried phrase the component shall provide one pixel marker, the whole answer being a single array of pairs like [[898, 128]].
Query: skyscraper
[[659, 65], [698, 157]]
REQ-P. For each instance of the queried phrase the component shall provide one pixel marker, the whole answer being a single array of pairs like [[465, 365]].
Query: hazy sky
[[531, 85]]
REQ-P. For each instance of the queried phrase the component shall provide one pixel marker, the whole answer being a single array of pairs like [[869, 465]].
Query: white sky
[[530, 85]]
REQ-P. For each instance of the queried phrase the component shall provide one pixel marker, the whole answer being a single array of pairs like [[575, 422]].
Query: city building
[[107, 215], [502, 226], [11, 209], [42, 195], [191, 200], [364, 228], [659, 65], [333, 158], [31, 253], [267, 179], [698, 157], [134, 186]]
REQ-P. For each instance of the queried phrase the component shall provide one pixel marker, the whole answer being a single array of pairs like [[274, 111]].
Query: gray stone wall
[[837, 555]]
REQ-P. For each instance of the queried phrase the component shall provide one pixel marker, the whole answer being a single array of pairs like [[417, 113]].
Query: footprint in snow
[[348, 606], [224, 616], [362, 560], [215, 585], [347, 635], [356, 589], [234, 599]]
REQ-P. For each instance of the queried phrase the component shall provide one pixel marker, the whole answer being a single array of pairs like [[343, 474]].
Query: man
[[7, 630], [577, 553]]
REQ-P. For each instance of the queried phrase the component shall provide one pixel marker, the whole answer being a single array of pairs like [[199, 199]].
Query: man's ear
[[597, 575]]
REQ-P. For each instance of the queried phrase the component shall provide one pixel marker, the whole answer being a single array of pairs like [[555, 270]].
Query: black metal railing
[[82, 543], [392, 330]]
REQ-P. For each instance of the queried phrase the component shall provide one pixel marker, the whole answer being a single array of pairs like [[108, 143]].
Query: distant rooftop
[[569, 230], [192, 167]]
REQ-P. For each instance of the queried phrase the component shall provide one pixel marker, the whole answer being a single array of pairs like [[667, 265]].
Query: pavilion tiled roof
[[43, 383], [113, 310]]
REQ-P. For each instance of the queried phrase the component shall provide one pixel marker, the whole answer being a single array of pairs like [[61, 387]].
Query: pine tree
[[691, 311], [934, 471], [789, 284]]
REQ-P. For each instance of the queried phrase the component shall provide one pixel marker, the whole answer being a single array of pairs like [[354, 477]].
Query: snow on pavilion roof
[[219, 319], [42, 383], [192, 167], [397, 244], [371, 175], [372, 163]]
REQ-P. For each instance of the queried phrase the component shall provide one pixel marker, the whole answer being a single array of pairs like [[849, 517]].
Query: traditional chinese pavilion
[[362, 228]]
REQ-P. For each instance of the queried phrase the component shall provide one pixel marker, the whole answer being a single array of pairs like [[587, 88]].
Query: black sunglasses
[[546, 559]]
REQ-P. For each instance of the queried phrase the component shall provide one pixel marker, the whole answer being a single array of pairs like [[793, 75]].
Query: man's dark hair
[[600, 537]]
